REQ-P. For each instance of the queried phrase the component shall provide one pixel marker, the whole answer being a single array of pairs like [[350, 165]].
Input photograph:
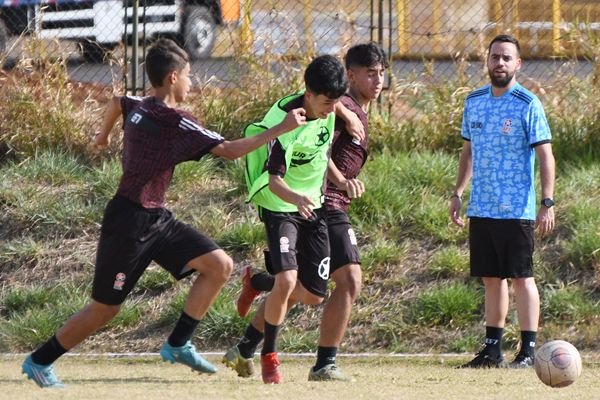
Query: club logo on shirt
[[507, 126], [324, 268], [284, 245], [323, 136], [119, 281]]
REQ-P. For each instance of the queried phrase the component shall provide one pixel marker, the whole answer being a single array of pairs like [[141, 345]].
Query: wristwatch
[[547, 202]]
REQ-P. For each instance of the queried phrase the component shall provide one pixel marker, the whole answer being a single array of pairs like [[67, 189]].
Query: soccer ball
[[557, 363]]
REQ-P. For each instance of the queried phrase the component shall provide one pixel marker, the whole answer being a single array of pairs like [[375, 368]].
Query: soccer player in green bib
[[287, 190]]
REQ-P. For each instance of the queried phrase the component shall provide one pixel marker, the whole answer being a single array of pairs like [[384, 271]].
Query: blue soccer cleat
[[187, 355], [42, 375]]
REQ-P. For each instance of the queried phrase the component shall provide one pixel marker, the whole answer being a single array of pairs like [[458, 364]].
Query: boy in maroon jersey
[[137, 229], [365, 64]]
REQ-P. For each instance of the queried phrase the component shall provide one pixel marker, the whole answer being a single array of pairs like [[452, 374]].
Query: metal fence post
[[401, 27], [134, 48], [307, 29], [555, 27]]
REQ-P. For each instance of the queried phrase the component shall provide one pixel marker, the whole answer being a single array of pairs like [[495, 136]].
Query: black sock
[[48, 352], [325, 356], [262, 281], [528, 343], [250, 341], [183, 331], [493, 341], [270, 343]]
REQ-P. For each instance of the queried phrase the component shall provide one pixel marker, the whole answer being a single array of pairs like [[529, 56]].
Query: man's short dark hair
[[506, 39], [366, 55], [326, 75], [162, 58]]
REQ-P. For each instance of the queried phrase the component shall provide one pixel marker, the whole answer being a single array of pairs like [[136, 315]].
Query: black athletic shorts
[[131, 237], [301, 244], [342, 240], [501, 248]]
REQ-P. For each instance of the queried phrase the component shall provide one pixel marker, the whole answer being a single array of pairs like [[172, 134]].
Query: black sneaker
[[522, 361], [485, 360]]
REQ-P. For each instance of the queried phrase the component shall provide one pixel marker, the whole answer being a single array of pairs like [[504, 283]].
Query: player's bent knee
[[349, 280], [216, 265]]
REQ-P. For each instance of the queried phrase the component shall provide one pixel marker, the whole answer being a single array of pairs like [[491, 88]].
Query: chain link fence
[[96, 36]]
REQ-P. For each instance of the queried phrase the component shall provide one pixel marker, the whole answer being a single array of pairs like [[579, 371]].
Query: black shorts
[[131, 237], [342, 240], [501, 248], [301, 244]]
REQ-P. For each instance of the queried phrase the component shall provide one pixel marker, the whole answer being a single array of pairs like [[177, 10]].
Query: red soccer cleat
[[270, 369], [248, 294]]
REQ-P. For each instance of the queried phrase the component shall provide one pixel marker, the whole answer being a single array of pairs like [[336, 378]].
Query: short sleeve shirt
[[503, 132], [300, 156], [156, 139], [348, 154]]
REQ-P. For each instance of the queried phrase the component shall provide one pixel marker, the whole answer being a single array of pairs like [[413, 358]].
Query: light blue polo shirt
[[503, 132]]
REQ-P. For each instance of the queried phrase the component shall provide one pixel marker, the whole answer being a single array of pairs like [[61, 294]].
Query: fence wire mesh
[[447, 38]]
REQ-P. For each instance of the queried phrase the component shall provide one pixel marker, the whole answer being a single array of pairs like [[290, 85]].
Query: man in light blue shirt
[[504, 127]]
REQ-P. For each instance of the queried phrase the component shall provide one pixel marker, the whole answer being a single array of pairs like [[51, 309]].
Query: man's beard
[[500, 82]]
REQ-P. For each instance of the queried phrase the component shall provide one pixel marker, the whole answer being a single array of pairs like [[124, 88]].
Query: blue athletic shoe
[[187, 355], [42, 375]]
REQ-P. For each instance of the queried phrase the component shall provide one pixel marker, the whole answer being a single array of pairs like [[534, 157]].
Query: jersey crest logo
[[323, 136], [507, 126]]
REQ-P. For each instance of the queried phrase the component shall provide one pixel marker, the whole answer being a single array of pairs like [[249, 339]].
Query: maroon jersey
[[156, 139], [348, 155]]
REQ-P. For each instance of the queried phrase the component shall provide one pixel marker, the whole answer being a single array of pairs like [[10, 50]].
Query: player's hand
[[294, 119], [544, 222], [354, 126], [454, 210], [305, 206], [354, 187], [101, 141]]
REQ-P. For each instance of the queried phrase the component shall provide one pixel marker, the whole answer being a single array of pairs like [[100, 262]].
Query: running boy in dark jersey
[[137, 229]]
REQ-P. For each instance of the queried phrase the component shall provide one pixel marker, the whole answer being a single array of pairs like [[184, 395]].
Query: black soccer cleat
[[522, 361], [485, 360]]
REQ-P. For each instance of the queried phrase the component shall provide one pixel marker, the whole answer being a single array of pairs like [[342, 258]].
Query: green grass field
[[374, 378]]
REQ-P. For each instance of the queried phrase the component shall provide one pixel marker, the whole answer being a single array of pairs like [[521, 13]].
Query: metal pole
[[372, 19], [380, 40], [144, 42], [307, 28], [134, 50], [401, 26], [125, 83], [555, 27], [380, 23]]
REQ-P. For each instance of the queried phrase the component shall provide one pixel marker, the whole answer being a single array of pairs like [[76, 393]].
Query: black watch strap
[[547, 202]]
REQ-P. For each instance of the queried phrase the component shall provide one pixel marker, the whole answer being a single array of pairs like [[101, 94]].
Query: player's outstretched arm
[[354, 187], [237, 148], [354, 126], [112, 113], [281, 189], [465, 171]]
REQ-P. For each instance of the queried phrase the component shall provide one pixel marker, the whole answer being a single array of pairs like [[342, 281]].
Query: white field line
[[286, 355]]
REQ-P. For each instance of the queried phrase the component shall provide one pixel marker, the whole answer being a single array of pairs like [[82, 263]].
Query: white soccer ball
[[557, 363]]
